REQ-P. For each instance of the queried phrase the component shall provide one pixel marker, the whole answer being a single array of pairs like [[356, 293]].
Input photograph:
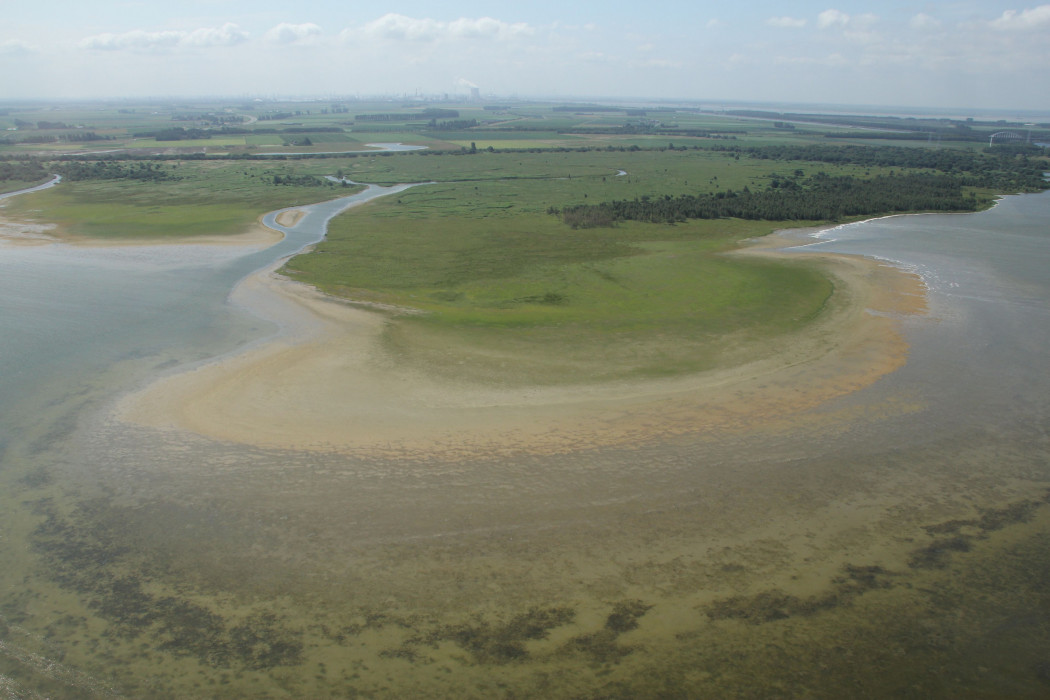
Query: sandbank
[[323, 383], [31, 233], [290, 218]]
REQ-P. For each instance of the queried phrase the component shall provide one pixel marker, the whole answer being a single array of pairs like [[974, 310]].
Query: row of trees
[[71, 137], [74, 170], [820, 198], [1001, 169], [24, 170], [300, 180], [42, 125], [179, 133], [453, 124], [432, 113]]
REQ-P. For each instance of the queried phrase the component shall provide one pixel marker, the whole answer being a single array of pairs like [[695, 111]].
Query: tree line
[[24, 170], [300, 180], [74, 170], [819, 198], [1001, 169]]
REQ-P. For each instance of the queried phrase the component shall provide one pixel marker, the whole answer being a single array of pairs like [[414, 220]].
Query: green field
[[210, 198], [511, 293], [517, 298]]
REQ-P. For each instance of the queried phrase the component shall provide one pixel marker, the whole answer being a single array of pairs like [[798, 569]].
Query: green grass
[[212, 198], [15, 185], [513, 294]]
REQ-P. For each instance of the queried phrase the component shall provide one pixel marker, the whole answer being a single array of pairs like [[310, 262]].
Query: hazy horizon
[[956, 56]]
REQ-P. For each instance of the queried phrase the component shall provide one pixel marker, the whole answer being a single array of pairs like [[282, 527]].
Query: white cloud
[[1025, 19], [488, 28], [835, 19], [140, 40], [789, 22], [832, 18], [135, 39], [15, 47], [401, 28], [228, 34], [923, 21], [285, 33]]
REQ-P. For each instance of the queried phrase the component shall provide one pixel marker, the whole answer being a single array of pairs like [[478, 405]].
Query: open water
[[899, 547]]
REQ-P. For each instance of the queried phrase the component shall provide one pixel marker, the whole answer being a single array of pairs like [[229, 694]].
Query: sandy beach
[[323, 384]]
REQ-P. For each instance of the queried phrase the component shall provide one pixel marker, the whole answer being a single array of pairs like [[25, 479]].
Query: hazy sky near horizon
[[983, 54]]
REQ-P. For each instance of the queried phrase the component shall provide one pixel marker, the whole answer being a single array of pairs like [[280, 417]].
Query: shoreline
[[31, 234], [323, 384]]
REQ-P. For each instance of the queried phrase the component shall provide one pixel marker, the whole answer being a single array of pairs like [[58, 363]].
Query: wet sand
[[31, 233], [290, 218], [324, 385]]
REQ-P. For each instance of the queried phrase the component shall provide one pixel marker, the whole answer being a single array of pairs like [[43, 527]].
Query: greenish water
[[896, 543]]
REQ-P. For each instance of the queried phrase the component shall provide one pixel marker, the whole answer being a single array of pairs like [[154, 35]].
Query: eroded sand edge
[[320, 384]]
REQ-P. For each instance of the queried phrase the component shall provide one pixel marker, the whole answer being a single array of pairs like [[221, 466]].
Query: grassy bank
[[513, 294], [198, 198]]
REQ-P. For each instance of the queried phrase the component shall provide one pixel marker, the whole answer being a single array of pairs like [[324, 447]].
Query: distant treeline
[[301, 180], [586, 108], [820, 198], [1001, 169], [112, 170], [308, 130], [826, 198], [432, 113], [902, 128], [453, 124], [183, 134], [645, 129], [25, 170], [209, 118], [177, 133], [42, 125], [72, 137]]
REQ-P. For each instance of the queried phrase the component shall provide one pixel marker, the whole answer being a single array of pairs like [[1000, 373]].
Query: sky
[[968, 54]]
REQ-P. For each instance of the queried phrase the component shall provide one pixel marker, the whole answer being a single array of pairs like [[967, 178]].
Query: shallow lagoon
[[894, 542]]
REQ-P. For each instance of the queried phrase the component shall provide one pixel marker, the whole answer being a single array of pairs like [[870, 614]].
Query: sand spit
[[14, 232], [290, 218], [324, 385]]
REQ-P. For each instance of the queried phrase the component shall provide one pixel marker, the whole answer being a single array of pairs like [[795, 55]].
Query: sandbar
[[31, 233], [290, 218], [324, 384]]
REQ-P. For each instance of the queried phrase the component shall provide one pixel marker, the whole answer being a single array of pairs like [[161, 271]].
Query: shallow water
[[894, 542]]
